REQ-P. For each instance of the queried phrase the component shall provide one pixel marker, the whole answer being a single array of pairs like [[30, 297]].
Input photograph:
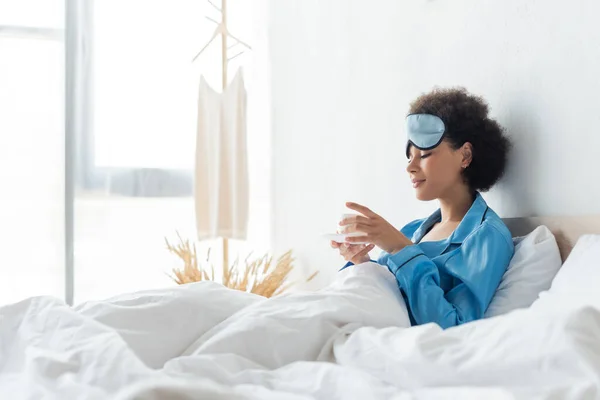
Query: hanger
[[222, 30]]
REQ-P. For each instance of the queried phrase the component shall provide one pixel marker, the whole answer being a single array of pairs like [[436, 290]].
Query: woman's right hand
[[355, 253]]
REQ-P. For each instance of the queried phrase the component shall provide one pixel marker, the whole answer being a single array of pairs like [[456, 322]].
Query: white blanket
[[347, 341]]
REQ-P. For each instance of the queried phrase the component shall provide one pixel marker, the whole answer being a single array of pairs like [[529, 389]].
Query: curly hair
[[466, 119]]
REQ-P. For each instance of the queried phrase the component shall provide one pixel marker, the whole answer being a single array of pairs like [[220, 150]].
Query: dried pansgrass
[[260, 275]]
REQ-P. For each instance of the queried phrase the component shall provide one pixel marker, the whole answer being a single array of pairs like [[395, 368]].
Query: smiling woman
[[466, 127], [448, 265]]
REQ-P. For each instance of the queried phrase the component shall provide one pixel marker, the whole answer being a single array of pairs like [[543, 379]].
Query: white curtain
[[32, 217]]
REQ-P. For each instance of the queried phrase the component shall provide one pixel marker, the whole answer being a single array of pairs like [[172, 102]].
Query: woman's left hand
[[376, 230]]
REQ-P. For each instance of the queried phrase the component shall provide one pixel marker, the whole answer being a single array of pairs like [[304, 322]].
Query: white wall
[[344, 72]]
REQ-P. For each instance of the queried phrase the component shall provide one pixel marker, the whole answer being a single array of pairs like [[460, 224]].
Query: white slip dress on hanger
[[221, 174]]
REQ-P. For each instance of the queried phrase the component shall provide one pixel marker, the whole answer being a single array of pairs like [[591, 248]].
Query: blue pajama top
[[452, 281]]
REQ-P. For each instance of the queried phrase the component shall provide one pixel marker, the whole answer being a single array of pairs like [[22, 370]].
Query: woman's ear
[[467, 154]]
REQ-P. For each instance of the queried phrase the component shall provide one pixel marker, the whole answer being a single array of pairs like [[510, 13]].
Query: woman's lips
[[417, 182]]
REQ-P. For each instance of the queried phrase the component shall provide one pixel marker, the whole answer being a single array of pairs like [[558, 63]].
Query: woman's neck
[[454, 206]]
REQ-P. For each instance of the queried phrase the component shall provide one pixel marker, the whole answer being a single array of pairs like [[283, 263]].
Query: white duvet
[[348, 341]]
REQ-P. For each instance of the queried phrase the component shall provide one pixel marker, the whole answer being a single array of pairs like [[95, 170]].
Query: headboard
[[566, 229]]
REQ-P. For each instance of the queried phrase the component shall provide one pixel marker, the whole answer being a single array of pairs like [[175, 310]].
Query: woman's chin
[[423, 195]]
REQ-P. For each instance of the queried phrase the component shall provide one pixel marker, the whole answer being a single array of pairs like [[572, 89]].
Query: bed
[[566, 229], [350, 340]]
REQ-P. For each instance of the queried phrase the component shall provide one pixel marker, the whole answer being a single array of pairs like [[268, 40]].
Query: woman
[[448, 265]]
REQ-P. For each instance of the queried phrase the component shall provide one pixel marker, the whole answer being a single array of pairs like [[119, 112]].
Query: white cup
[[344, 216], [350, 215]]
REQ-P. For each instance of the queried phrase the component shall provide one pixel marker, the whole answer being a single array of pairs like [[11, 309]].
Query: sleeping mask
[[424, 131]]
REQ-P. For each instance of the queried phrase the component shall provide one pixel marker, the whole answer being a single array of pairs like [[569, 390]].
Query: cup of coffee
[[344, 216]]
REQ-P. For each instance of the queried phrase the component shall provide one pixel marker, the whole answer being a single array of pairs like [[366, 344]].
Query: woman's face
[[437, 172]]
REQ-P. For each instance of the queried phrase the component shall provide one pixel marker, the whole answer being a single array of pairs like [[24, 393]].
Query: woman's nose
[[411, 167]]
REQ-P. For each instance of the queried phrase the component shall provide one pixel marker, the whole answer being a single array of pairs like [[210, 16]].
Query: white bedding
[[347, 341]]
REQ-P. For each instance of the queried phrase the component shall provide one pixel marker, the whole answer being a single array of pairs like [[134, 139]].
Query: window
[[97, 139], [137, 138], [140, 96]]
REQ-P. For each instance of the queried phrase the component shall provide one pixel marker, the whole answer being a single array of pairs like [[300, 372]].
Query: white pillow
[[577, 282], [531, 270]]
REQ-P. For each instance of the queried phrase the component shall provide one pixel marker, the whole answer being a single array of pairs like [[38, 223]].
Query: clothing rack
[[222, 30]]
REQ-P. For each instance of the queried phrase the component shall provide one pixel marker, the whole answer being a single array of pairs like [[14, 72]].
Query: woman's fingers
[[357, 227], [362, 256], [351, 248], [352, 252], [357, 239], [357, 250], [355, 219], [365, 251], [348, 250], [361, 209]]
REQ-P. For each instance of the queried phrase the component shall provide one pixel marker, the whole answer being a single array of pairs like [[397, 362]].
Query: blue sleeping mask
[[424, 131]]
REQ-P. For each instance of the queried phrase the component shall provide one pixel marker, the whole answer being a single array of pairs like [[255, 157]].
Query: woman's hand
[[376, 230], [355, 253]]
